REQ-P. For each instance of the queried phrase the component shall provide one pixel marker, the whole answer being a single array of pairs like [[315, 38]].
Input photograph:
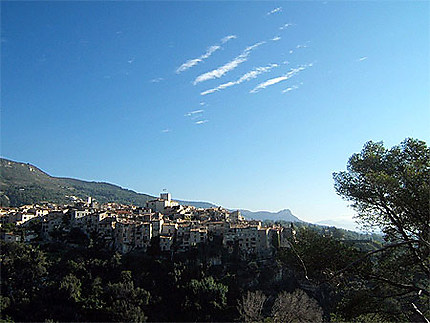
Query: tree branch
[[403, 233], [371, 253], [302, 262], [420, 313], [400, 285], [396, 295]]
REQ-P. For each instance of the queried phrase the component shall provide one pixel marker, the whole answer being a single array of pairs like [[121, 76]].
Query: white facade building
[[162, 203]]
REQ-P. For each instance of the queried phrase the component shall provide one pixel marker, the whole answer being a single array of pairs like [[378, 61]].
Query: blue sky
[[244, 104]]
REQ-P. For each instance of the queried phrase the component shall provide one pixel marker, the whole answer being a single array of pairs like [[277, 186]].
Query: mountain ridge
[[23, 183], [281, 215]]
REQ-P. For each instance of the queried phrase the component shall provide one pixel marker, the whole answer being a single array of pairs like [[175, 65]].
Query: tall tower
[[166, 196]]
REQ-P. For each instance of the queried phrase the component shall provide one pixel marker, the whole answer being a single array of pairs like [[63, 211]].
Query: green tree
[[125, 302], [23, 269], [70, 288], [205, 299], [317, 257], [23, 273], [389, 189]]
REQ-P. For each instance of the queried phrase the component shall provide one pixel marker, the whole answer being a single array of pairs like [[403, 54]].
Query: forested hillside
[[22, 183]]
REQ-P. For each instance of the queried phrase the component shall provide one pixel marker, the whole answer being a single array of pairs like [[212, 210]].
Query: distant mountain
[[284, 215], [197, 204], [22, 183]]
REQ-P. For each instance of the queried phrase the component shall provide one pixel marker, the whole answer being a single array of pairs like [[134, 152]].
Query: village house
[[161, 204], [157, 224], [106, 226], [169, 228], [20, 218], [198, 235], [131, 234], [179, 228], [51, 222], [235, 216], [216, 227], [166, 243], [183, 236]]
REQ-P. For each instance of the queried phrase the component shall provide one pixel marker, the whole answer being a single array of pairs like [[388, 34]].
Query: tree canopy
[[390, 189]]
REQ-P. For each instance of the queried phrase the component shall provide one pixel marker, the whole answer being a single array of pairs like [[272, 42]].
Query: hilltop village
[[161, 224]]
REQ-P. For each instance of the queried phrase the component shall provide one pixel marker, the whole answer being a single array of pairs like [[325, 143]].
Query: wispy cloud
[[244, 78], [291, 88], [285, 26], [278, 79], [279, 9], [227, 38], [362, 58], [212, 49], [189, 114], [192, 62], [157, 80], [220, 71], [276, 38], [195, 115], [201, 121]]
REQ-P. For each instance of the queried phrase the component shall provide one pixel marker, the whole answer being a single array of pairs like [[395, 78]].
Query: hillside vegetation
[[22, 183]]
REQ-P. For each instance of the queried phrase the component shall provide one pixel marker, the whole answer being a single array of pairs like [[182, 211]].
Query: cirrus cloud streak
[[244, 78], [220, 71], [212, 49], [278, 79], [279, 9]]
